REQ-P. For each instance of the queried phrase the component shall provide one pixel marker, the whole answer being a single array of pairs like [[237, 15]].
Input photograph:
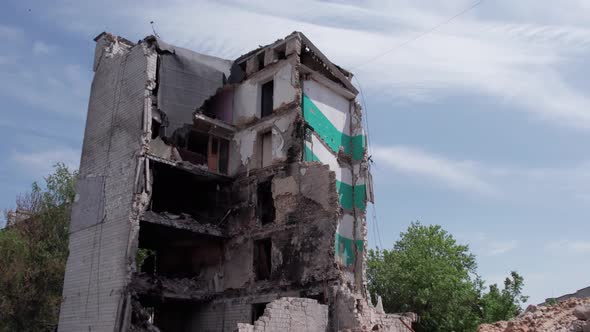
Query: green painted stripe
[[358, 147], [350, 196], [360, 192], [333, 137], [345, 249]]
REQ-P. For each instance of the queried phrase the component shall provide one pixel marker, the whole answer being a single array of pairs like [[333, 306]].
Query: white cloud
[[7, 60], [569, 246], [45, 83], [580, 246], [518, 64], [484, 244], [505, 182], [40, 84], [461, 175], [495, 50], [495, 248], [10, 33], [41, 48], [40, 163]]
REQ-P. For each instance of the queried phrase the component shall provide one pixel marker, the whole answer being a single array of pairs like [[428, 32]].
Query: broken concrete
[[216, 187], [184, 289], [182, 222], [290, 315]]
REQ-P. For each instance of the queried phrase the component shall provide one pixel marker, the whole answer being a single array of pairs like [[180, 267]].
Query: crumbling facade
[[219, 195]]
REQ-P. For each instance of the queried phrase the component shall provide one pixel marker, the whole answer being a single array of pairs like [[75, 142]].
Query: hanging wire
[[422, 34], [374, 220]]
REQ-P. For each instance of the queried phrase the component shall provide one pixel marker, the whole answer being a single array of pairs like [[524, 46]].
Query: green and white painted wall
[[333, 127]]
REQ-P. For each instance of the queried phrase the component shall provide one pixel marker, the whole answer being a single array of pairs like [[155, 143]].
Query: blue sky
[[481, 126]]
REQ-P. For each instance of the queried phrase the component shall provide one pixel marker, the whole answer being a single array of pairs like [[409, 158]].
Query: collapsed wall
[[290, 314], [213, 193]]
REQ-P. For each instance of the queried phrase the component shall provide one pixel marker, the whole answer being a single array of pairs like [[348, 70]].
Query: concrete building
[[219, 195]]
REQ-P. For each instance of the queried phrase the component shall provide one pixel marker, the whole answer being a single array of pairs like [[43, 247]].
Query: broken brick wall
[[224, 314], [351, 311], [246, 107], [290, 314], [282, 123], [247, 144], [103, 222], [302, 231]]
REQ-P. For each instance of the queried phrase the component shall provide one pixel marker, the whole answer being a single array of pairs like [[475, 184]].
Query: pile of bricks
[[290, 314]]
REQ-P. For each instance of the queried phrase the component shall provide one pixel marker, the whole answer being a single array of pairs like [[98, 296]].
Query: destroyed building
[[218, 195]]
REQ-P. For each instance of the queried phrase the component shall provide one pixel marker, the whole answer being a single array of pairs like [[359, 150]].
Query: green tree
[[33, 253], [429, 273], [506, 303]]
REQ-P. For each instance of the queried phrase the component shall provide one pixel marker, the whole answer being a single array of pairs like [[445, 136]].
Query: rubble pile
[[572, 315]]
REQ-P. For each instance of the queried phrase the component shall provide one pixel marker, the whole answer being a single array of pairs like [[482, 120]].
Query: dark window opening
[[260, 59], [146, 260], [150, 311], [258, 311], [177, 253], [178, 192], [203, 149], [197, 142], [262, 259], [281, 55], [196, 147], [155, 128], [266, 149], [213, 156], [143, 312], [223, 156], [267, 98], [214, 145], [172, 317], [218, 157], [265, 206]]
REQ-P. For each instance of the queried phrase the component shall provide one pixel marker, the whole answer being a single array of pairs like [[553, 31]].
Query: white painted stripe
[[346, 226], [359, 234], [343, 174], [360, 175], [332, 105]]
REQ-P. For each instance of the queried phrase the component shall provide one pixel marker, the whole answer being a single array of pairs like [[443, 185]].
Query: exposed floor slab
[[184, 221]]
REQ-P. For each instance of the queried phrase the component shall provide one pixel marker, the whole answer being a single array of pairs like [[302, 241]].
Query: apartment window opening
[[262, 259], [266, 208], [155, 128], [257, 311], [266, 149], [267, 98]]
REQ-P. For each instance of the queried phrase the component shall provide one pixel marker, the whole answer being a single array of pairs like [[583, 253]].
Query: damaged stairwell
[[218, 195]]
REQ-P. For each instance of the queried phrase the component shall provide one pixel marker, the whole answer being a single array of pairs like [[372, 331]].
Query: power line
[[366, 117], [375, 221], [424, 33]]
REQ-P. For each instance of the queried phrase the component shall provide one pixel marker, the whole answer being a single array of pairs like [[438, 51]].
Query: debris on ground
[[572, 315]]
